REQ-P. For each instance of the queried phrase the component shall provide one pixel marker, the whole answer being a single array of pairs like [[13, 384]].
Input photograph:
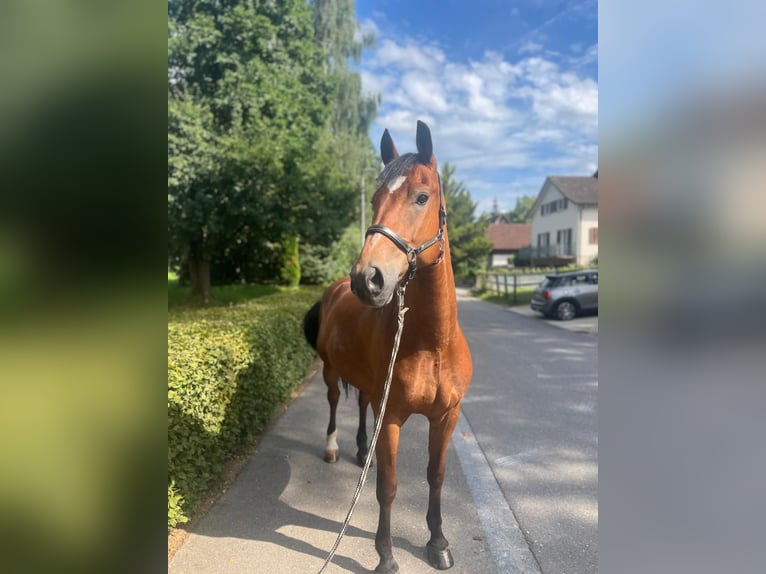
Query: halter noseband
[[412, 253]]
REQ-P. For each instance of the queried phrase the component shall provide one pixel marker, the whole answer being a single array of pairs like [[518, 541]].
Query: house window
[[593, 235], [543, 239], [554, 206], [564, 240]]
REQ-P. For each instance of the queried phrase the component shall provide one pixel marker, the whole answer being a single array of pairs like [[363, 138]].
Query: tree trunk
[[199, 272]]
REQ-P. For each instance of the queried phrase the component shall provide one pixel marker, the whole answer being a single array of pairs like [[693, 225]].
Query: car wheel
[[566, 311]]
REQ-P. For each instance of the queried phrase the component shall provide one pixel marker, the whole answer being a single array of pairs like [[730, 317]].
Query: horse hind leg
[[333, 394]]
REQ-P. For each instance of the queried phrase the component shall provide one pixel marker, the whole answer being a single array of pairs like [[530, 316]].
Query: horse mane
[[397, 167]]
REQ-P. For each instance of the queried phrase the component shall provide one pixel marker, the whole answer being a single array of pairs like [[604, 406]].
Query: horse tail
[[311, 324]]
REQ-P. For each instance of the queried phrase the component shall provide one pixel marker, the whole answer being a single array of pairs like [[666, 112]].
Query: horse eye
[[422, 199]]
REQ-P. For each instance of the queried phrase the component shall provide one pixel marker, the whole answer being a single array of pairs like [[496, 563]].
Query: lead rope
[[378, 424]]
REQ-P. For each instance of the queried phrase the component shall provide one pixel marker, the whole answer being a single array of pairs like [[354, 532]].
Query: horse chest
[[423, 383]]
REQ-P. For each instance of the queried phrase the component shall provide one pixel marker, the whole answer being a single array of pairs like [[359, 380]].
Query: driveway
[[584, 324]]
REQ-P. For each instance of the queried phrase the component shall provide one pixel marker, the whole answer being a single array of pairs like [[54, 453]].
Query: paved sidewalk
[[283, 512]]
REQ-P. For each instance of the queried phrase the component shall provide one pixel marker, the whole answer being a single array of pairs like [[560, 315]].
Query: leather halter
[[412, 253]]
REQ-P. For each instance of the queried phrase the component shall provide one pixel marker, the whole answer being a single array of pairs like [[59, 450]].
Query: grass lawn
[[221, 295], [523, 297]]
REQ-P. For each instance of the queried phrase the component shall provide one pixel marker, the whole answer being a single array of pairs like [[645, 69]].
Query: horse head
[[408, 221]]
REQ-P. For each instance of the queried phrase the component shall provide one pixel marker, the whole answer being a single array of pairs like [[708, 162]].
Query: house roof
[[508, 236], [500, 218], [579, 190]]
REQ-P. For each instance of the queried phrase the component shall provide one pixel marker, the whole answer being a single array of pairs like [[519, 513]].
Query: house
[[565, 221], [507, 239]]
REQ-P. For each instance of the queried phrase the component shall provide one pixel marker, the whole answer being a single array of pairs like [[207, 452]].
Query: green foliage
[[222, 295], [336, 33], [469, 246], [523, 297], [539, 270], [228, 369], [521, 213], [266, 132], [291, 267], [176, 514], [323, 265]]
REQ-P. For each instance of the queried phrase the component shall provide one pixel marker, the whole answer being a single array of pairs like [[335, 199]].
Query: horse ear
[[423, 140], [387, 148]]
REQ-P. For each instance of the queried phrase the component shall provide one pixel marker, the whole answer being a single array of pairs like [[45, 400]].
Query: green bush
[[290, 273], [228, 369], [537, 270], [323, 265], [175, 503]]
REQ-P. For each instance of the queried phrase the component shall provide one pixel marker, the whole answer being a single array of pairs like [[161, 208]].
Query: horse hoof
[[331, 456], [440, 559]]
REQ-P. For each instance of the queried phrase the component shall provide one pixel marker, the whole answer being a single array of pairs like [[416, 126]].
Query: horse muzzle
[[372, 285]]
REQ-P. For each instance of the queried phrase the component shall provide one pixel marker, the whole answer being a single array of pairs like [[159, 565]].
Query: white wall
[[499, 259], [587, 251], [579, 219], [553, 222]]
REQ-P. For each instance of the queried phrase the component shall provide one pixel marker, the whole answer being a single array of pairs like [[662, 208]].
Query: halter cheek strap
[[412, 253]]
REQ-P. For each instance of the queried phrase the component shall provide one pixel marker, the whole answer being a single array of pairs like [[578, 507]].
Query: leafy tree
[[336, 31], [252, 158], [323, 265], [469, 246], [520, 213]]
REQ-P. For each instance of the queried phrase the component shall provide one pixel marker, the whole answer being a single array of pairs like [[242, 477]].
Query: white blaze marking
[[395, 184]]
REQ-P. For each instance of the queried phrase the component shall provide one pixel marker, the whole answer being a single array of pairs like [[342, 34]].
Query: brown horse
[[353, 328]]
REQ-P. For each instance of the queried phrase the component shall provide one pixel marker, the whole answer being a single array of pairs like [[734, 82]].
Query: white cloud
[[408, 56], [494, 118], [424, 92], [530, 47], [588, 57]]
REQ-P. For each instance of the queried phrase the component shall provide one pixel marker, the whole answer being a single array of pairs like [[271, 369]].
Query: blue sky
[[509, 89]]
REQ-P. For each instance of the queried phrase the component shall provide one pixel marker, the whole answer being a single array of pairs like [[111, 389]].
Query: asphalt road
[[533, 408], [520, 495]]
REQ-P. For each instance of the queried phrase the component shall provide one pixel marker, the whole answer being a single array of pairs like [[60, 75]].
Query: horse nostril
[[374, 280]]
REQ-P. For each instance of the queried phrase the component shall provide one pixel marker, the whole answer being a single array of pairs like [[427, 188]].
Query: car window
[[594, 278], [580, 279]]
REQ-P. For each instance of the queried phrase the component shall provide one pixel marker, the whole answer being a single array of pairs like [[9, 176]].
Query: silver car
[[566, 295]]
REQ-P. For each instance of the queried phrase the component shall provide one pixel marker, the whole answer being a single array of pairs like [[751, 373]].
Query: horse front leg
[[440, 431], [333, 394], [361, 433], [385, 451]]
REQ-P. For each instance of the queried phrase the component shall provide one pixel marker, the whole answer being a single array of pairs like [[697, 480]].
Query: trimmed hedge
[[229, 368]]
